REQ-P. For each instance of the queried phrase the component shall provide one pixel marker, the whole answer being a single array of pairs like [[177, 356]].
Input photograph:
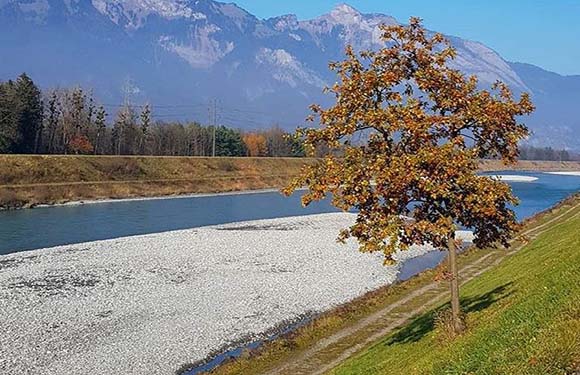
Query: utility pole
[[214, 121], [125, 112]]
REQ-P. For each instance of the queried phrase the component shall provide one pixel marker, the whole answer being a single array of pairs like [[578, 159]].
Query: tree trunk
[[454, 284]]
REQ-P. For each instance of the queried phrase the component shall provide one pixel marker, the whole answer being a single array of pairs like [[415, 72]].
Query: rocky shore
[[151, 304]]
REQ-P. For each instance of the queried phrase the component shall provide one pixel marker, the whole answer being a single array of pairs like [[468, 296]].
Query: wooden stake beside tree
[[426, 127]]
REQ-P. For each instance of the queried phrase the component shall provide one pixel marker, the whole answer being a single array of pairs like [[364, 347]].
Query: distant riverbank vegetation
[[71, 121], [546, 153]]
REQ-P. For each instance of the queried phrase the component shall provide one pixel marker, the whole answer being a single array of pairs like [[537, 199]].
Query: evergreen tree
[[117, 133], [229, 142], [8, 125], [29, 112], [79, 112], [145, 124], [100, 127], [564, 155], [297, 147]]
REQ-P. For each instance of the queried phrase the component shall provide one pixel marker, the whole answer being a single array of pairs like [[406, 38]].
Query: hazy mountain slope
[[556, 121], [178, 54]]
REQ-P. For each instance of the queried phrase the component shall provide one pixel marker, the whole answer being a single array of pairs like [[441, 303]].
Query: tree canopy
[[21, 114], [425, 126]]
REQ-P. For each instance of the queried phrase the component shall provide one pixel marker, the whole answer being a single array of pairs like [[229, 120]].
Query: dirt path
[[331, 351]]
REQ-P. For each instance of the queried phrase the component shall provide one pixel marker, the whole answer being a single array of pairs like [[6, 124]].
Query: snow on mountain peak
[[345, 14], [345, 9]]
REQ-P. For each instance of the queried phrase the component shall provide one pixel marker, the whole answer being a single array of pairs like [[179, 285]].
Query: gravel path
[[150, 304]]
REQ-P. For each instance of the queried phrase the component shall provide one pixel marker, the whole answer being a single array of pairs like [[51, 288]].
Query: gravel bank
[[150, 304], [515, 178], [577, 173], [160, 197]]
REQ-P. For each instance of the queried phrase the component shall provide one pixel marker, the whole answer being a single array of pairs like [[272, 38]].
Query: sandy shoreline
[[514, 178], [571, 173], [161, 197], [150, 304]]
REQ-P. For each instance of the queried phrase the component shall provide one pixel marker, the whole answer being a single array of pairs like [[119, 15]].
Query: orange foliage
[[256, 144], [424, 126], [80, 145]]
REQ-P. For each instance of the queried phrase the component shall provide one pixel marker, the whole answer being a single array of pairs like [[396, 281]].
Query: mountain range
[[181, 54]]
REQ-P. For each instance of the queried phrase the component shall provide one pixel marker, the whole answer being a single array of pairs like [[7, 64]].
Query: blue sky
[[541, 32]]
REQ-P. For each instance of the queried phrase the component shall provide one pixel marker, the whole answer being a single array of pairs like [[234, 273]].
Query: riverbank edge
[[291, 347], [160, 197], [28, 181]]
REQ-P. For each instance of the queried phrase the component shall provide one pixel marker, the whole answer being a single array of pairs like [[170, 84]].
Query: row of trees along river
[[70, 121]]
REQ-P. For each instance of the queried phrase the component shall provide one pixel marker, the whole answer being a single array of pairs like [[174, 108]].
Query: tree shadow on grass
[[425, 323]]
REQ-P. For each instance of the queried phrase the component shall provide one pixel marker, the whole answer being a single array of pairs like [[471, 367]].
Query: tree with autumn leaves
[[414, 179], [256, 144]]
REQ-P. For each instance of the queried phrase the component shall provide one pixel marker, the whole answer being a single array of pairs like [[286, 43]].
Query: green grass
[[523, 317]]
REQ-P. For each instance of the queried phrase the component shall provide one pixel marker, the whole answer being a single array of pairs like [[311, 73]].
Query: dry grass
[[30, 180], [443, 323], [530, 165]]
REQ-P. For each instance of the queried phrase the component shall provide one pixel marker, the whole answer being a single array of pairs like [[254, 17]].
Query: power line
[[198, 105], [156, 106], [171, 115], [257, 122], [213, 121], [232, 116]]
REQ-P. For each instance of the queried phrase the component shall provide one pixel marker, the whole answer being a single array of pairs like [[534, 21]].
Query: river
[[69, 224]]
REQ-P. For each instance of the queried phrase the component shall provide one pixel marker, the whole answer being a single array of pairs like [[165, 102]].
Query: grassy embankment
[[522, 306], [531, 165], [523, 318], [27, 180], [30, 180]]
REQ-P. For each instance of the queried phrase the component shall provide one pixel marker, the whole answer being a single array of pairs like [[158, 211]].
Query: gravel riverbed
[[150, 304]]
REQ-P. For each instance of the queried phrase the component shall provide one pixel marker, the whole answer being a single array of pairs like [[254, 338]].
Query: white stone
[[150, 304]]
